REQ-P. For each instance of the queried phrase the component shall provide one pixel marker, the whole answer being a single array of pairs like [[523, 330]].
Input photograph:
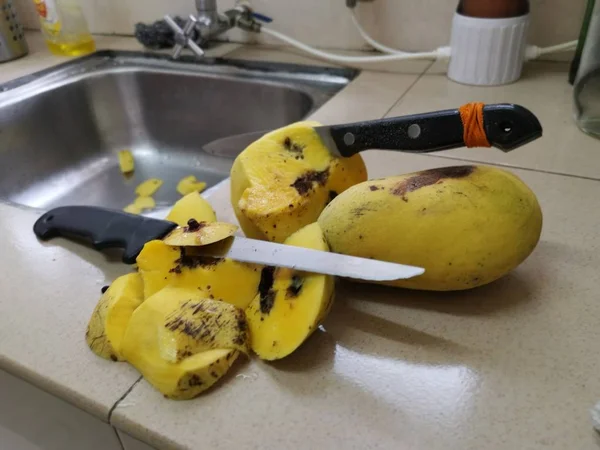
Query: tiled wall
[[406, 24]]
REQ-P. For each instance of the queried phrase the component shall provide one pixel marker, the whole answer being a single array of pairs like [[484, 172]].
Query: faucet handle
[[183, 37]]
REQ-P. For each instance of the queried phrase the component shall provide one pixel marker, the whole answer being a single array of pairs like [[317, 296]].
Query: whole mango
[[466, 225]]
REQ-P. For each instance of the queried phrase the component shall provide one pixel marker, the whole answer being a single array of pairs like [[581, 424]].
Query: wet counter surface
[[510, 365]]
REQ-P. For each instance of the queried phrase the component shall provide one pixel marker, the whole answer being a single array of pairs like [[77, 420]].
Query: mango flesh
[[466, 225], [190, 184], [283, 181], [290, 305], [197, 234], [111, 316], [149, 187], [174, 345], [126, 162], [192, 206], [161, 265]]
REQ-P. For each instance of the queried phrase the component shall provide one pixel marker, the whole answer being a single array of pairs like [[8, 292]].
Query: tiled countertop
[[511, 365]]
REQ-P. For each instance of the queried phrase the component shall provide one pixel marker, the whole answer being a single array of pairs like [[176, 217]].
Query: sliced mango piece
[[190, 184], [192, 206], [171, 340], [126, 163], [109, 320], [149, 187], [132, 209], [197, 234], [144, 203], [290, 305], [283, 181], [200, 325], [161, 265]]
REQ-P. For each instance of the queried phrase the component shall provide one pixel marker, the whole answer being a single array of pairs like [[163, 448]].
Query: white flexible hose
[[372, 42], [532, 51], [439, 53], [558, 48]]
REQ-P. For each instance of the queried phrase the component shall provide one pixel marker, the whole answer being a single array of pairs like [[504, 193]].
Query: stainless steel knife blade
[[308, 260], [231, 146]]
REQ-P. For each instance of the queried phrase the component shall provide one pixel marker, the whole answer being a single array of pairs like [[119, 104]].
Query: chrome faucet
[[200, 29]]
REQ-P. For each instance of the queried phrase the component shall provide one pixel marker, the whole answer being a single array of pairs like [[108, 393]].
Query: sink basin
[[61, 129]]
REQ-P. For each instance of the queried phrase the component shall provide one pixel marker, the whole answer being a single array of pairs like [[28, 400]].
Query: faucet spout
[[204, 6], [208, 24]]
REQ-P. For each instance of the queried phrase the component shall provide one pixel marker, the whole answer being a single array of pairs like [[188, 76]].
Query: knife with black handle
[[506, 127], [107, 228]]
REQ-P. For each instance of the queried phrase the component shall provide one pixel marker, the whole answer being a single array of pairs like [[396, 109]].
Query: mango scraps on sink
[[126, 162]]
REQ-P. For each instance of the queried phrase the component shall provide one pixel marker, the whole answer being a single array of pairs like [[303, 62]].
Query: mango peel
[[466, 225]]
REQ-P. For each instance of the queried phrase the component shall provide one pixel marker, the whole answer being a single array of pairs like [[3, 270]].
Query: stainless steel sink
[[61, 129]]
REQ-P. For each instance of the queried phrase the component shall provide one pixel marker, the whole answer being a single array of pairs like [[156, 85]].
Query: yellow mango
[[282, 182], [132, 209], [290, 305], [172, 339], [466, 225], [192, 206], [143, 203], [126, 163], [161, 265], [197, 234], [109, 320], [190, 184], [149, 187]]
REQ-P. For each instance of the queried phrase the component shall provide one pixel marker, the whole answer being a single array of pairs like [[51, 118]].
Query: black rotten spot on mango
[[304, 183], [265, 289], [293, 290]]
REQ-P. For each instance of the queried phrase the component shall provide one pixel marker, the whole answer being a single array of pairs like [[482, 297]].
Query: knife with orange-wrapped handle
[[502, 125]]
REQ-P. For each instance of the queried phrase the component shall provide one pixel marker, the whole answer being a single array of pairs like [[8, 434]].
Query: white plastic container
[[487, 52]]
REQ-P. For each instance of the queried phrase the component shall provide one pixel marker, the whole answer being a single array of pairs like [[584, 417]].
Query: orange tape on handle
[[471, 115]]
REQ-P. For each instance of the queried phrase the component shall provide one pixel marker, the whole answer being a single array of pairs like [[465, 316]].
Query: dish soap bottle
[[64, 27]]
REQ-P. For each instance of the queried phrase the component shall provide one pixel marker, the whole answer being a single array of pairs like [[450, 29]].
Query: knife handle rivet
[[414, 131], [349, 139]]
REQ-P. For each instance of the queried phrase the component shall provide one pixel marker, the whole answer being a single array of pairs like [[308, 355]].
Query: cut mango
[[192, 206], [283, 181], [171, 340], [126, 163], [132, 209], [111, 316], [144, 203], [190, 184], [148, 188], [197, 234], [161, 265], [290, 305]]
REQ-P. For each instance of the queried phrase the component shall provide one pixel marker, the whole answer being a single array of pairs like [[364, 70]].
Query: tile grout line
[[118, 438], [127, 392], [407, 91], [548, 172]]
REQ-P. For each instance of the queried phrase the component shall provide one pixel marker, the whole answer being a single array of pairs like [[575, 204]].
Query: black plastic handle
[[507, 127], [106, 228]]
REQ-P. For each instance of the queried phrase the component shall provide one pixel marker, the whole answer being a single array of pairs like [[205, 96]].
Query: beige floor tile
[[544, 90], [507, 366]]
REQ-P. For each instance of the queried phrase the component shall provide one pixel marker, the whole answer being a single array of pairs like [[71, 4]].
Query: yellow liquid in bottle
[[79, 47]]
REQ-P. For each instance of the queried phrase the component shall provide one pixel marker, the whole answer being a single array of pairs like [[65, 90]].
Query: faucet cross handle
[[183, 37]]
